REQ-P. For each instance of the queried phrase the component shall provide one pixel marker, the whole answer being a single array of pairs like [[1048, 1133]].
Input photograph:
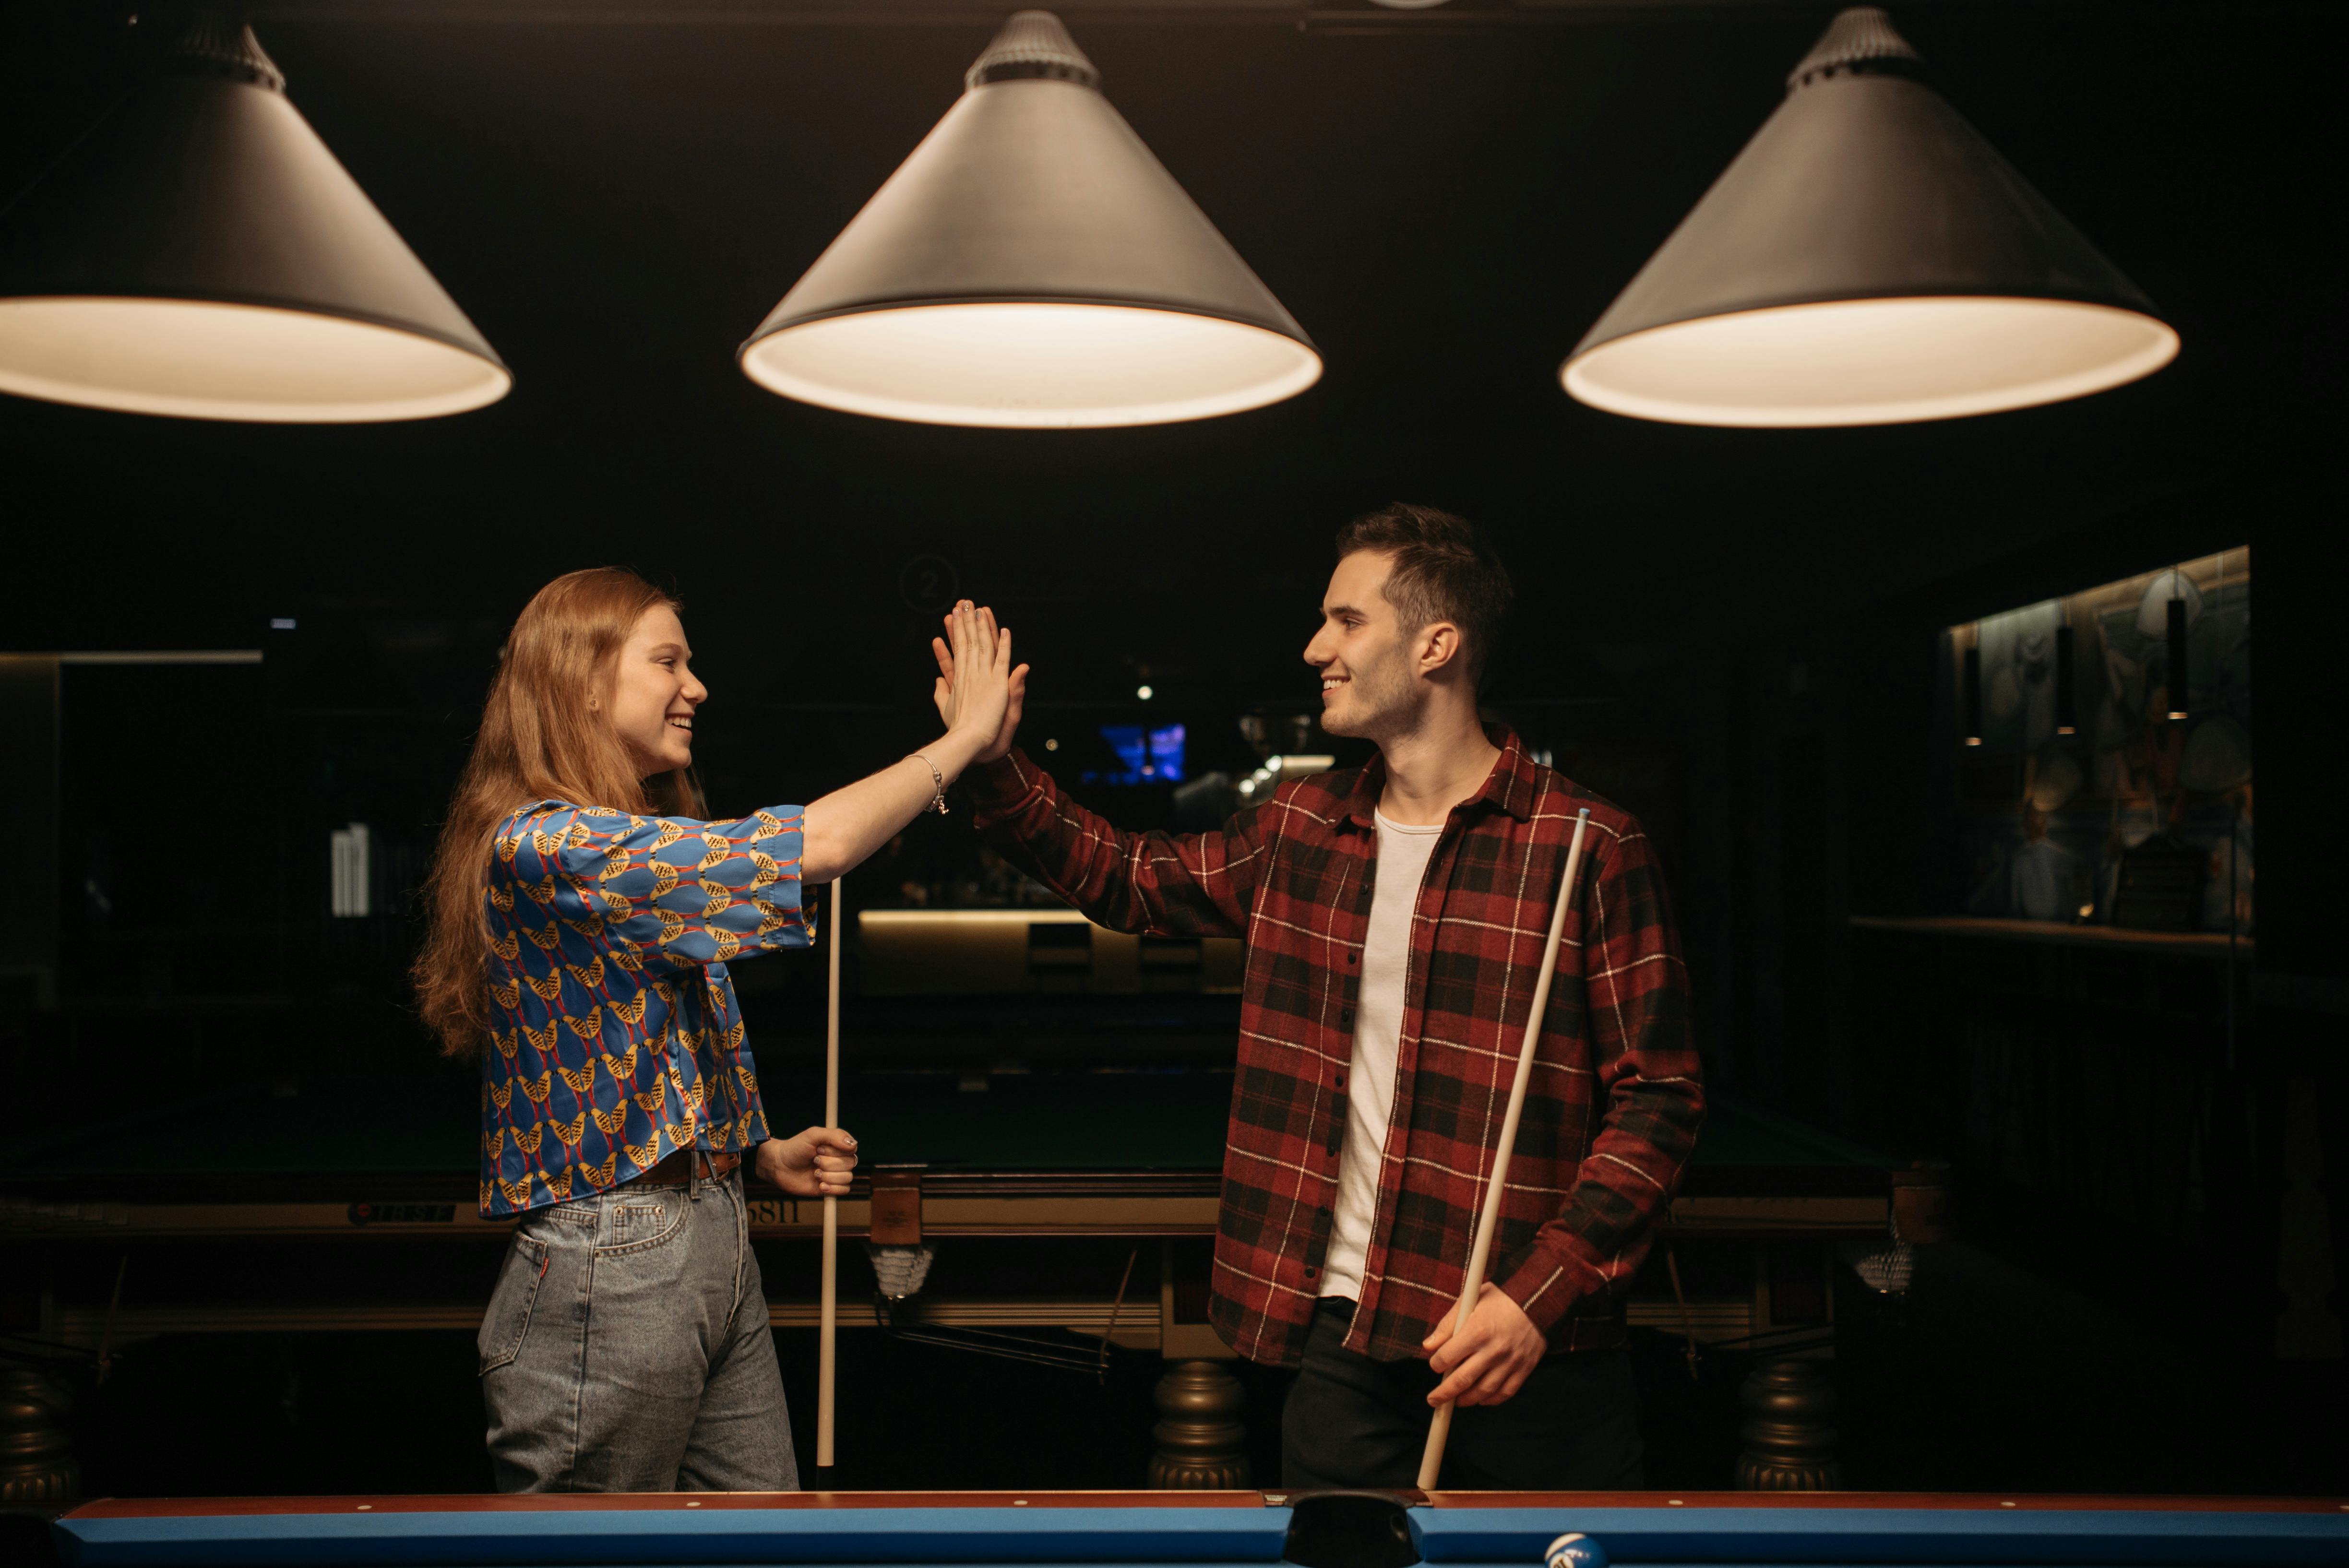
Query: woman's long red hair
[[545, 736]]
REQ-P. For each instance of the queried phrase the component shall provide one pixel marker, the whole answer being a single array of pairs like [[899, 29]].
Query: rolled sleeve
[[679, 891]]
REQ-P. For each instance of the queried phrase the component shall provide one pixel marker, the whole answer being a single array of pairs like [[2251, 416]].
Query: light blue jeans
[[627, 1349]]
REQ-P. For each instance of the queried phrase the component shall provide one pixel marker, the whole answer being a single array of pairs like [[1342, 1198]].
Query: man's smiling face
[[1361, 651]]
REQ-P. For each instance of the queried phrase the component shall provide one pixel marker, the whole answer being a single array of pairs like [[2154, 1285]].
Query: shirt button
[[1353, 957], [1310, 1270]]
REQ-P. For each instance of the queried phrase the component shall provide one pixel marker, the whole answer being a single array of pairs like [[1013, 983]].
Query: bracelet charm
[[938, 786]]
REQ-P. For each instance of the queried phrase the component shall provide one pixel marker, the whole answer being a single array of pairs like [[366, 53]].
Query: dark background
[[1733, 632]]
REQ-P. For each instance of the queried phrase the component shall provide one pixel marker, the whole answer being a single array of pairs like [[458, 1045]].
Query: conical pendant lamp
[[201, 254], [1869, 259], [1032, 265]]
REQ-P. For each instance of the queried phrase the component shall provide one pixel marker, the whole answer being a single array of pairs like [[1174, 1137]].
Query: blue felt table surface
[[1002, 1537], [913, 1536], [1516, 1536]]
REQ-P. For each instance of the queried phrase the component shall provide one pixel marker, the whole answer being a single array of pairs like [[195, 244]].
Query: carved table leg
[[1789, 1446], [38, 1472], [1201, 1441]]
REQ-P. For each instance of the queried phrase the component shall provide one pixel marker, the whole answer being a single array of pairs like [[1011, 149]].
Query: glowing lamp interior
[[1037, 366], [203, 360], [1869, 361]]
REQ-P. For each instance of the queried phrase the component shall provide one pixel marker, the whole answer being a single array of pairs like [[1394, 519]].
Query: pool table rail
[[1876, 1529], [1449, 1529], [1176, 1530]]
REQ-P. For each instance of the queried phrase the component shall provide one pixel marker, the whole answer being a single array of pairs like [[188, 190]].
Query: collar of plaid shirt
[[1616, 1099]]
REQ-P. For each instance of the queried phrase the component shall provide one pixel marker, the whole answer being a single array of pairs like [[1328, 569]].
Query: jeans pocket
[[642, 1225], [507, 1321]]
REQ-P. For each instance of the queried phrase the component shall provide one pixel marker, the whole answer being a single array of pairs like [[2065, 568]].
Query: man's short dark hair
[[1445, 570]]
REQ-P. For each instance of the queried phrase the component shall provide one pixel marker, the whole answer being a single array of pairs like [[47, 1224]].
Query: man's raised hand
[[975, 644]]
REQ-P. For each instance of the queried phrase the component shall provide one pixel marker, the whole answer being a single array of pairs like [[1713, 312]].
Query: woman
[[582, 913]]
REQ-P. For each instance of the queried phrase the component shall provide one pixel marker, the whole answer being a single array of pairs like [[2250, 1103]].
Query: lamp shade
[[201, 254], [1867, 259], [1031, 264]]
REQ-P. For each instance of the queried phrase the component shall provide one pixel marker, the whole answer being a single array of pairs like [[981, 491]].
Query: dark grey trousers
[[1351, 1421], [627, 1349]]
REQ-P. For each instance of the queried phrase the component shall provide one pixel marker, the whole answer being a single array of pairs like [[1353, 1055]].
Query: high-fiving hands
[[979, 692], [981, 709]]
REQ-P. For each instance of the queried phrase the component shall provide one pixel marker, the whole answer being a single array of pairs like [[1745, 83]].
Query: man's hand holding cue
[[1490, 1360]]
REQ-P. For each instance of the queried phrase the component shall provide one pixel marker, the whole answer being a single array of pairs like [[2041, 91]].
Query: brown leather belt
[[674, 1170]]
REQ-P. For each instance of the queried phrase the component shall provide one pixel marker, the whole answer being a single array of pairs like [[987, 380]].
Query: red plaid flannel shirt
[[1616, 1097]]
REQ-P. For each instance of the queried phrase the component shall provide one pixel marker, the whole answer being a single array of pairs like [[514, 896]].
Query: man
[[1394, 917]]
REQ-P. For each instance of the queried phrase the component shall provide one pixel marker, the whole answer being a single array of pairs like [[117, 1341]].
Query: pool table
[[1078, 1200], [1469, 1529]]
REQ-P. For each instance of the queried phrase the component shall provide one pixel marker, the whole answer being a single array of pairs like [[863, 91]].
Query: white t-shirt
[[1403, 852]]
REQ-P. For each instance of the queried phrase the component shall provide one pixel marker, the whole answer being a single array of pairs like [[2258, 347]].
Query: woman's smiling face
[[654, 694]]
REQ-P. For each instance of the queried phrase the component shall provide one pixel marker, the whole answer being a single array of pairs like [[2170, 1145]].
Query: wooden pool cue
[[825, 1347], [1480, 1251]]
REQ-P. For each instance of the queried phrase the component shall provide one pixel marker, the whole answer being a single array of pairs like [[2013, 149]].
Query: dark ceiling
[[617, 198]]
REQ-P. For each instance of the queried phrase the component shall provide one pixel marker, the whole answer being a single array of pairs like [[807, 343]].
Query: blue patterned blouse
[[616, 1040]]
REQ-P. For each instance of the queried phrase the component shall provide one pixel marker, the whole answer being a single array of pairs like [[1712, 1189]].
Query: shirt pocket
[[507, 1321]]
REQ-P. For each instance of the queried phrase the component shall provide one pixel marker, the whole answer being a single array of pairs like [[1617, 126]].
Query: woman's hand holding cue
[[817, 1163], [1490, 1360]]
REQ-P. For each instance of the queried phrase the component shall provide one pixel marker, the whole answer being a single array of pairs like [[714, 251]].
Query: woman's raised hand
[[979, 691]]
